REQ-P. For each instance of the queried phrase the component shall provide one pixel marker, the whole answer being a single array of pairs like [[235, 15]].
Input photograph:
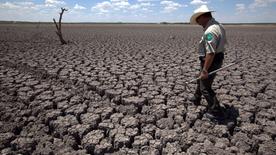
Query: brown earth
[[119, 89]]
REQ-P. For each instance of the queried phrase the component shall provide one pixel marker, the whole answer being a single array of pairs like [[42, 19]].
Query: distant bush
[[164, 23]]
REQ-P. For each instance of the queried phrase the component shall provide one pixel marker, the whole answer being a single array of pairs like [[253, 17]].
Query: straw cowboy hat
[[198, 12]]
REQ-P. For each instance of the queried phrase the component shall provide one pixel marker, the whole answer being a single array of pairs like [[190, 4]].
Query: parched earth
[[119, 89]]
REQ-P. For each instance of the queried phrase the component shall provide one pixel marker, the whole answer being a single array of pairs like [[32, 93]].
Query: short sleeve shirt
[[213, 39]]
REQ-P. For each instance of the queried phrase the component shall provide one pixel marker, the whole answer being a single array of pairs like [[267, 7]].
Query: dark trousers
[[204, 87]]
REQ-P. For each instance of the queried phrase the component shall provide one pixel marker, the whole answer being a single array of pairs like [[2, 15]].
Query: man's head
[[201, 16], [203, 19]]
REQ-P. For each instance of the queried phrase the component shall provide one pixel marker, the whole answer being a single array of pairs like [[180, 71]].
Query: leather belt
[[217, 57]]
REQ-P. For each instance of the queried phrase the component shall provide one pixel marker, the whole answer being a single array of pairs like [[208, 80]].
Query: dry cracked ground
[[119, 89]]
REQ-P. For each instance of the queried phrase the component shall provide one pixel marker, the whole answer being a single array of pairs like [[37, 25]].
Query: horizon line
[[119, 22]]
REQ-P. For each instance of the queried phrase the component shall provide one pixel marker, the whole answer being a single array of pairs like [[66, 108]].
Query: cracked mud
[[119, 89]]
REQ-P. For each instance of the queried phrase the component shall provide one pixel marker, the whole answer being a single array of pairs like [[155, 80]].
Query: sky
[[226, 11]]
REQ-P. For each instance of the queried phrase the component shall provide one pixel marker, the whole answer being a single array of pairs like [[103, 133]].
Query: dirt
[[119, 89]]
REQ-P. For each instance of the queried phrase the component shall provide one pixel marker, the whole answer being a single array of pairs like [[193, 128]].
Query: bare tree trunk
[[58, 26]]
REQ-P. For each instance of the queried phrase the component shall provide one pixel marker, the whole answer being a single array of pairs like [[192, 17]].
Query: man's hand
[[203, 74], [208, 61]]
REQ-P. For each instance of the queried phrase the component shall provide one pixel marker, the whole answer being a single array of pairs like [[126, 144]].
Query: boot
[[195, 100], [215, 106], [215, 111]]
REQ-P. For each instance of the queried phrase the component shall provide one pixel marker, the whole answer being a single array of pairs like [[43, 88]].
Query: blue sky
[[233, 11]]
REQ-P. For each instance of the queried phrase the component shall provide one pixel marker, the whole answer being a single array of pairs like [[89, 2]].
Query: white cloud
[[27, 11], [240, 8], [198, 2], [53, 3], [79, 7], [29, 5], [121, 5], [8, 5], [20, 5], [147, 0], [145, 9], [170, 6], [107, 6], [146, 4], [261, 3], [103, 7], [119, 0], [135, 7], [142, 6]]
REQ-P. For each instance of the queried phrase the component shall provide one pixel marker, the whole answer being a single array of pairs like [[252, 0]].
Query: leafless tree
[[58, 26]]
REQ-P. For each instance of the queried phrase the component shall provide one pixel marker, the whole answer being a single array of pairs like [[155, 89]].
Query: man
[[211, 55]]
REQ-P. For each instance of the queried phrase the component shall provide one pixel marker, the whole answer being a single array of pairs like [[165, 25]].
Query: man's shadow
[[229, 117]]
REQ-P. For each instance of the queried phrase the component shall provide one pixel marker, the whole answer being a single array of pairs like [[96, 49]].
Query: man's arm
[[211, 41], [208, 61]]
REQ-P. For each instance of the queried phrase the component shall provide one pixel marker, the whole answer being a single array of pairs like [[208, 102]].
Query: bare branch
[[58, 26], [55, 23]]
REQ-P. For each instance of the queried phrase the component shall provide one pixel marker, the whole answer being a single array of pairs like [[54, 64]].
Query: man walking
[[211, 55]]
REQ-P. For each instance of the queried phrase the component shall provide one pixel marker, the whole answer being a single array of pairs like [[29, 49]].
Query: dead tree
[[58, 26]]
